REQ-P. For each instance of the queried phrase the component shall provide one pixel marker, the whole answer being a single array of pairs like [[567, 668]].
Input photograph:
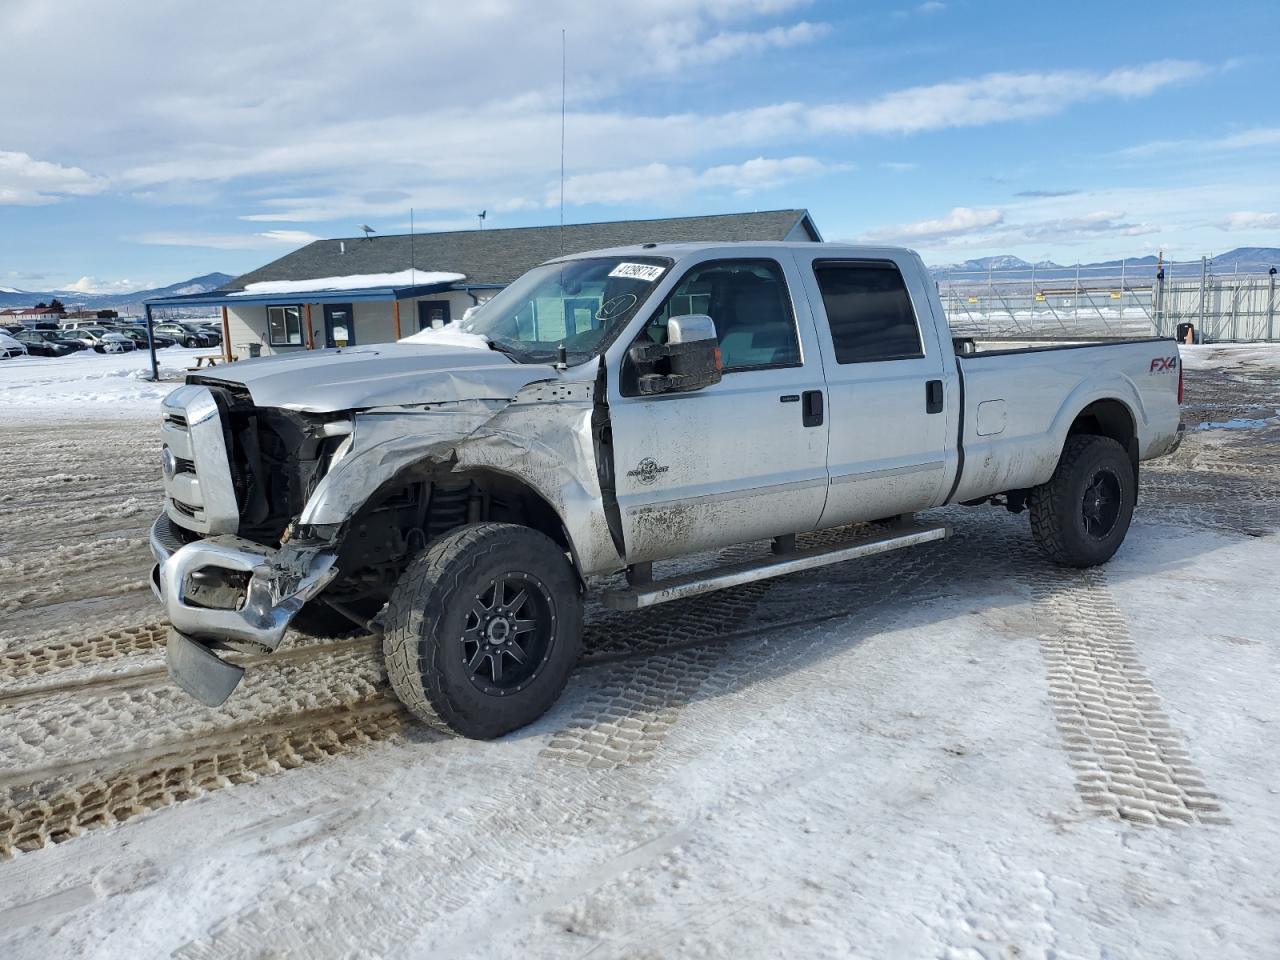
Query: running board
[[705, 581]]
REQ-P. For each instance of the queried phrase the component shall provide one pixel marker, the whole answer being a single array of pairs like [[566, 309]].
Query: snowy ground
[[959, 751], [90, 385]]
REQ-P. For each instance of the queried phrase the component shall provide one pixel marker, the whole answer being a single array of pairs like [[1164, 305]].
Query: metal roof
[[230, 298], [501, 255], [486, 257]]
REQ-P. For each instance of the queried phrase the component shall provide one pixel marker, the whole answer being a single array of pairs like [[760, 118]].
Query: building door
[[339, 325], [432, 313]]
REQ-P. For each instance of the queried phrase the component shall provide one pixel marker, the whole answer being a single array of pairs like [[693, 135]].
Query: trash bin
[[1186, 333], [253, 349]]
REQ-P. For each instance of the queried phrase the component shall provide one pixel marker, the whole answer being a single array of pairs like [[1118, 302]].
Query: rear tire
[[1080, 517], [483, 629]]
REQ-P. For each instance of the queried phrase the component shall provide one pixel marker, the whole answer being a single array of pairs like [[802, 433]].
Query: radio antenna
[[563, 74], [413, 266]]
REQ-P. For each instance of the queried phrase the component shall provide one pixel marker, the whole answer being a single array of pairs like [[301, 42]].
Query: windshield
[[578, 304]]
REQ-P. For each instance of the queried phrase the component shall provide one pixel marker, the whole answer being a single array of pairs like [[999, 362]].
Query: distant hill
[[128, 303], [1007, 267]]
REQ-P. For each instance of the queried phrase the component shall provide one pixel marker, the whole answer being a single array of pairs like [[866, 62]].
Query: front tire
[[483, 629], [1080, 516]]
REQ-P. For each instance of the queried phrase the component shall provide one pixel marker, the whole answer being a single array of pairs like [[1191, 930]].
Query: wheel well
[[421, 505], [1109, 418]]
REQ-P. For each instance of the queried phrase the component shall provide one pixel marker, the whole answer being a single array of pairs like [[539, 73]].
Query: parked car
[[473, 527], [101, 339], [13, 329], [139, 336], [9, 347], [213, 330], [187, 335], [46, 343]]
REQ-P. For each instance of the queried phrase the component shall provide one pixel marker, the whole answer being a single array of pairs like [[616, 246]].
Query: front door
[[432, 314], [339, 325], [742, 459], [887, 386]]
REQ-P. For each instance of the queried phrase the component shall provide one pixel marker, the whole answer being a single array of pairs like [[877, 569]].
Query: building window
[[284, 326]]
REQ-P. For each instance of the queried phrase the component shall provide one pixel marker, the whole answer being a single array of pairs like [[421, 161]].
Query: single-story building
[[381, 288]]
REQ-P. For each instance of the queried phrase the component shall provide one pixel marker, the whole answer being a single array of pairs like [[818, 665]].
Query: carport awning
[[231, 298]]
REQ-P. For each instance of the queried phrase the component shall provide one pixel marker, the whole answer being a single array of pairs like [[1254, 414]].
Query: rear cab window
[[868, 311]]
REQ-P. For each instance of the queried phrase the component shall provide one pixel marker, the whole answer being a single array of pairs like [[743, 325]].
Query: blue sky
[[140, 148]]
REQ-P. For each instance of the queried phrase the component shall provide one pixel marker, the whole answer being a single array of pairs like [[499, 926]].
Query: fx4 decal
[[1164, 364]]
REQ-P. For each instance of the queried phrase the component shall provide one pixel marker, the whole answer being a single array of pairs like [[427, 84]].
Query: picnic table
[[212, 359]]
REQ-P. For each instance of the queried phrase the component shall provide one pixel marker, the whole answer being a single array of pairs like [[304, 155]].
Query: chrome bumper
[[279, 583]]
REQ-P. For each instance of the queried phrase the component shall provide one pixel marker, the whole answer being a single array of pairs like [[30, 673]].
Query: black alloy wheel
[[509, 631]]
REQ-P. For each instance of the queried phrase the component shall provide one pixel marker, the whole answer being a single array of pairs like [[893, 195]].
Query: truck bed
[[1018, 404]]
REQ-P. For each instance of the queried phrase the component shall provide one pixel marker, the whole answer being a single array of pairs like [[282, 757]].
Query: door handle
[[811, 408], [933, 396]]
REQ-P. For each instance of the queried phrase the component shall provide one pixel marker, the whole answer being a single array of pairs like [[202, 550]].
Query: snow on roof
[[359, 281]]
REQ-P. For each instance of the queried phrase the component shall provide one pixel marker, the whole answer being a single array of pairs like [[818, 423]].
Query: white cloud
[[960, 221], [26, 181], [230, 241], [94, 285], [730, 44], [995, 98], [1250, 220], [660, 181], [931, 6], [1241, 140]]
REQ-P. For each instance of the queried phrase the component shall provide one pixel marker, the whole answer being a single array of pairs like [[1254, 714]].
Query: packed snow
[[450, 335], [955, 751], [357, 281], [1223, 356], [91, 384]]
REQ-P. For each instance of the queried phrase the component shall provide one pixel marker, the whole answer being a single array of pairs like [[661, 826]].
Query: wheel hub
[[498, 631]]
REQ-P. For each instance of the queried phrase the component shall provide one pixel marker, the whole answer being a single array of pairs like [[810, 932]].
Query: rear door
[[742, 459], [886, 383]]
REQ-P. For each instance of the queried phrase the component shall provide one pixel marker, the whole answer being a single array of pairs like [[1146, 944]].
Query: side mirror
[[689, 360]]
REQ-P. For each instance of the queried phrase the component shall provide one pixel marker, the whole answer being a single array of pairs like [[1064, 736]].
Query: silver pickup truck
[[462, 490]]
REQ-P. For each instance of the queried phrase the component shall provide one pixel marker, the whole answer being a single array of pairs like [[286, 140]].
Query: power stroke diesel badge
[[647, 471]]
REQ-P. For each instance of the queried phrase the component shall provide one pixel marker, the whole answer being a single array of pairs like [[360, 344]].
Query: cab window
[[869, 311], [749, 304]]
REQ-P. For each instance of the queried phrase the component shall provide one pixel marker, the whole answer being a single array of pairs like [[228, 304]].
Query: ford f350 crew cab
[[459, 490]]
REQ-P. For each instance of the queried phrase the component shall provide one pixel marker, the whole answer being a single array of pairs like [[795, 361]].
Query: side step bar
[[705, 581]]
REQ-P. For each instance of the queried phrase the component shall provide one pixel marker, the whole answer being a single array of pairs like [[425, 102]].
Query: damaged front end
[[225, 571], [226, 593], [268, 508]]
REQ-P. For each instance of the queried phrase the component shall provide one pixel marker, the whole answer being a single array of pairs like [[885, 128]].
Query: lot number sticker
[[637, 271]]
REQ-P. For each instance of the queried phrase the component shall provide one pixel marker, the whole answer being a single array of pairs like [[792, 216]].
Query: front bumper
[[277, 584]]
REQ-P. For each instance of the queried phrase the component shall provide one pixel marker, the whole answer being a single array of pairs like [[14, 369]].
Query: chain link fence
[[1112, 300]]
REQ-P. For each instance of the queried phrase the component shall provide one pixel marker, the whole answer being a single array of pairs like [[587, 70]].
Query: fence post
[[1271, 308], [1075, 301], [1204, 279]]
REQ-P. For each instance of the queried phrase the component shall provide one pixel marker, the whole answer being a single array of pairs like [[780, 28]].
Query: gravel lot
[[954, 751]]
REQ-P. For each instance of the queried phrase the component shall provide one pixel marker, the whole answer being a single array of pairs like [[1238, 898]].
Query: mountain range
[[126, 303], [999, 267], [1005, 267]]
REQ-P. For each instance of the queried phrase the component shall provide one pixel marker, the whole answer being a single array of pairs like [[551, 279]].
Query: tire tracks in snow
[[1129, 760]]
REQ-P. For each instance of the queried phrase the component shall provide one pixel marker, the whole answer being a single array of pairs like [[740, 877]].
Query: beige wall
[[374, 321]]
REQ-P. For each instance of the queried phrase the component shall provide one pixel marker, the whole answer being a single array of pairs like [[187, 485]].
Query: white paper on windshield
[[637, 271]]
